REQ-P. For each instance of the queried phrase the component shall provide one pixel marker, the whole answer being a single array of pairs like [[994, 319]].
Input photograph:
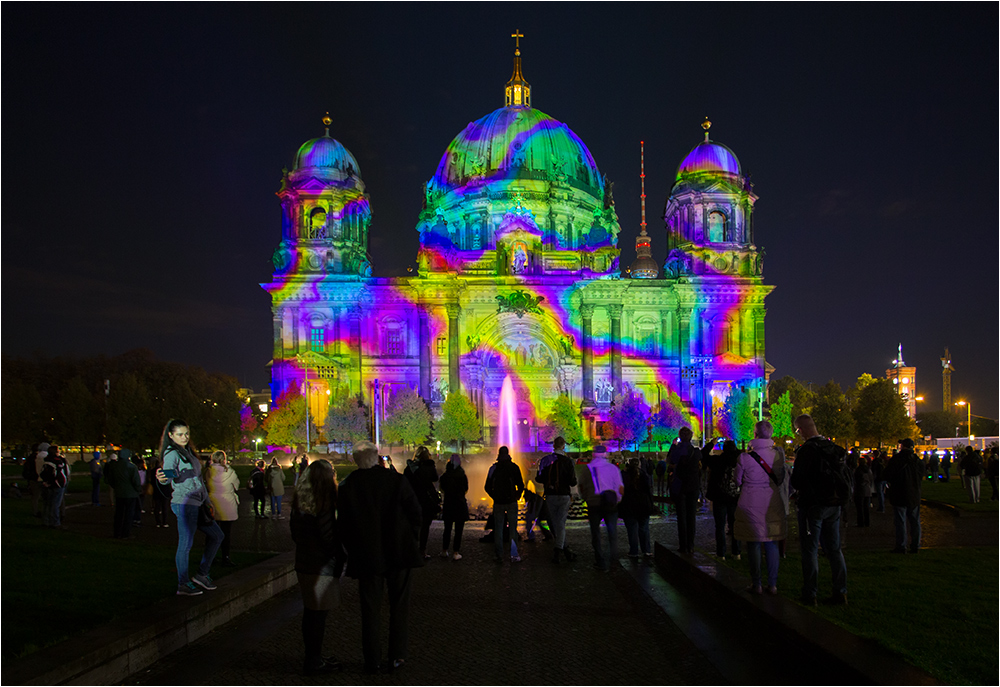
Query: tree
[[630, 418], [564, 420], [407, 419], [23, 413], [937, 423], [459, 421], [736, 417], [832, 415], [781, 417], [801, 397], [667, 420], [346, 421], [248, 425], [286, 423], [131, 421], [78, 418], [880, 414]]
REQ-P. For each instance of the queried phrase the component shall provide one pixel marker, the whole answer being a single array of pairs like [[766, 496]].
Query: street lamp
[[256, 445], [968, 407]]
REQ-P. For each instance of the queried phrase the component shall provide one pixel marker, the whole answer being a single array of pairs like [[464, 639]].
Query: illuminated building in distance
[[904, 378]]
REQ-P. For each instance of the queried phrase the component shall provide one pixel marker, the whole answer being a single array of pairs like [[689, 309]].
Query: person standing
[[182, 468], [422, 474], [992, 471], [820, 504], [933, 463], [636, 507], [903, 473], [30, 472], [685, 484], [602, 488], [558, 477], [275, 478], [722, 492], [319, 559], [760, 513], [53, 476], [863, 492], [455, 512], [946, 467], [222, 483], [122, 475], [972, 471], [878, 468], [379, 518], [257, 486], [96, 471], [505, 485]]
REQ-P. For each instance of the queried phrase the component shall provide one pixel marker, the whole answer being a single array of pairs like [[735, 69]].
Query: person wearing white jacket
[[222, 482]]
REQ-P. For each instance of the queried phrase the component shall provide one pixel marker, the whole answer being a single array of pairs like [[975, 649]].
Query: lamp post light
[[968, 407], [256, 446]]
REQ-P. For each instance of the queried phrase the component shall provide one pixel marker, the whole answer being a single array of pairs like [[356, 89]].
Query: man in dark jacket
[[123, 476], [379, 519], [903, 473], [558, 476], [685, 483], [818, 520], [505, 485]]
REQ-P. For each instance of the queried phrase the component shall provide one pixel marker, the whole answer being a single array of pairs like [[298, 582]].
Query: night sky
[[143, 145]]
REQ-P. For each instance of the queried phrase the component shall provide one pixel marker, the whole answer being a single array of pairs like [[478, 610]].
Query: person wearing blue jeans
[[187, 525], [505, 485], [819, 520], [821, 524], [753, 556], [51, 501], [182, 468]]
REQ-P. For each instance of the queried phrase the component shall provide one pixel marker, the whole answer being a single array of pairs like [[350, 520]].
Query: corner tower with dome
[[518, 275]]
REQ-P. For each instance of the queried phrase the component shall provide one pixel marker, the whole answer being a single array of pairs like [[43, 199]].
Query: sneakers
[[515, 559], [754, 589], [772, 591], [188, 589], [457, 556], [204, 581], [445, 554], [736, 556]]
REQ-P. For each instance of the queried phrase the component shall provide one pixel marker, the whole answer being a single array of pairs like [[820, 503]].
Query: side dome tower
[[518, 193], [325, 212], [709, 215]]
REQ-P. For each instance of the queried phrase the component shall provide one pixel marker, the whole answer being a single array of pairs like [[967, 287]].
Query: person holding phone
[[181, 468]]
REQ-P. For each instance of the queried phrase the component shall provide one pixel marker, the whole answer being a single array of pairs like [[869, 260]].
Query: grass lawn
[[938, 609], [58, 584], [953, 493]]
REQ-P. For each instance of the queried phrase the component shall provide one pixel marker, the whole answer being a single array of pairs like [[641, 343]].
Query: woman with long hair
[[454, 485], [319, 559], [222, 482], [182, 469]]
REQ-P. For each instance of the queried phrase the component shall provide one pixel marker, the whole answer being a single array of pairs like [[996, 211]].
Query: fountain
[[507, 435]]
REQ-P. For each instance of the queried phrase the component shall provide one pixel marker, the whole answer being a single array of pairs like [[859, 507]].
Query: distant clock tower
[[905, 380]]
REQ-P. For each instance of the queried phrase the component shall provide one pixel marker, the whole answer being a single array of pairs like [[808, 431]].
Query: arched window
[[317, 223], [716, 227]]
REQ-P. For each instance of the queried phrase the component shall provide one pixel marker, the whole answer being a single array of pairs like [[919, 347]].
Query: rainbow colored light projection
[[519, 277]]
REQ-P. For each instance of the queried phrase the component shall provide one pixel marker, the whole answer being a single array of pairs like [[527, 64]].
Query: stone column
[[587, 313], [454, 381], [615, 314], [684, 352], [356, 348], [425, 353]]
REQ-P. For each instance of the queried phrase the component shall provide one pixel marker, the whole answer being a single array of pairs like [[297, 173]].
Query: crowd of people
[[375, 526]]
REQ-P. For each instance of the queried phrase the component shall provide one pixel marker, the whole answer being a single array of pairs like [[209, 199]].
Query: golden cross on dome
[[517, 36]]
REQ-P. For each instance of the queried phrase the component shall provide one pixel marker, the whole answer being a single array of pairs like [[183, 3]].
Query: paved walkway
[[475, 623]]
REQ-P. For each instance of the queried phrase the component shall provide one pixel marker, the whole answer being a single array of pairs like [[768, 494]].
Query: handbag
[[206, 514]]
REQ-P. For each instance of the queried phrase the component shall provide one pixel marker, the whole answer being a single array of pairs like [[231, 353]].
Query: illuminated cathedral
[[518, 274]]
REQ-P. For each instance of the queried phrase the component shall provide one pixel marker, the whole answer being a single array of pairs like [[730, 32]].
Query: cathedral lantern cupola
[[518, 91], [709, 214], [325, 211]]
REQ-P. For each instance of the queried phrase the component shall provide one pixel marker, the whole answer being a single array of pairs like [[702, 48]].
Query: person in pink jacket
[[761, 512]]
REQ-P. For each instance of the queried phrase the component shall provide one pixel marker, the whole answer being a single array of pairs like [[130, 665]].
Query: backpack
[[833, 488], [552, 473], [729, 485]]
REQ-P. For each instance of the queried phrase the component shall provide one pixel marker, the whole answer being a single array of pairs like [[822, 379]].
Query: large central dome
[[517, 143]]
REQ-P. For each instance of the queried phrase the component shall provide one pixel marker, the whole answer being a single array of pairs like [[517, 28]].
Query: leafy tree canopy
[[347, 421], [407, 420], [937, 423], [630, 417], [781, 417], [286, 422], [832, 415], [880, 414], [736, 417], [564, 420], [800, 396], [459, 421]]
